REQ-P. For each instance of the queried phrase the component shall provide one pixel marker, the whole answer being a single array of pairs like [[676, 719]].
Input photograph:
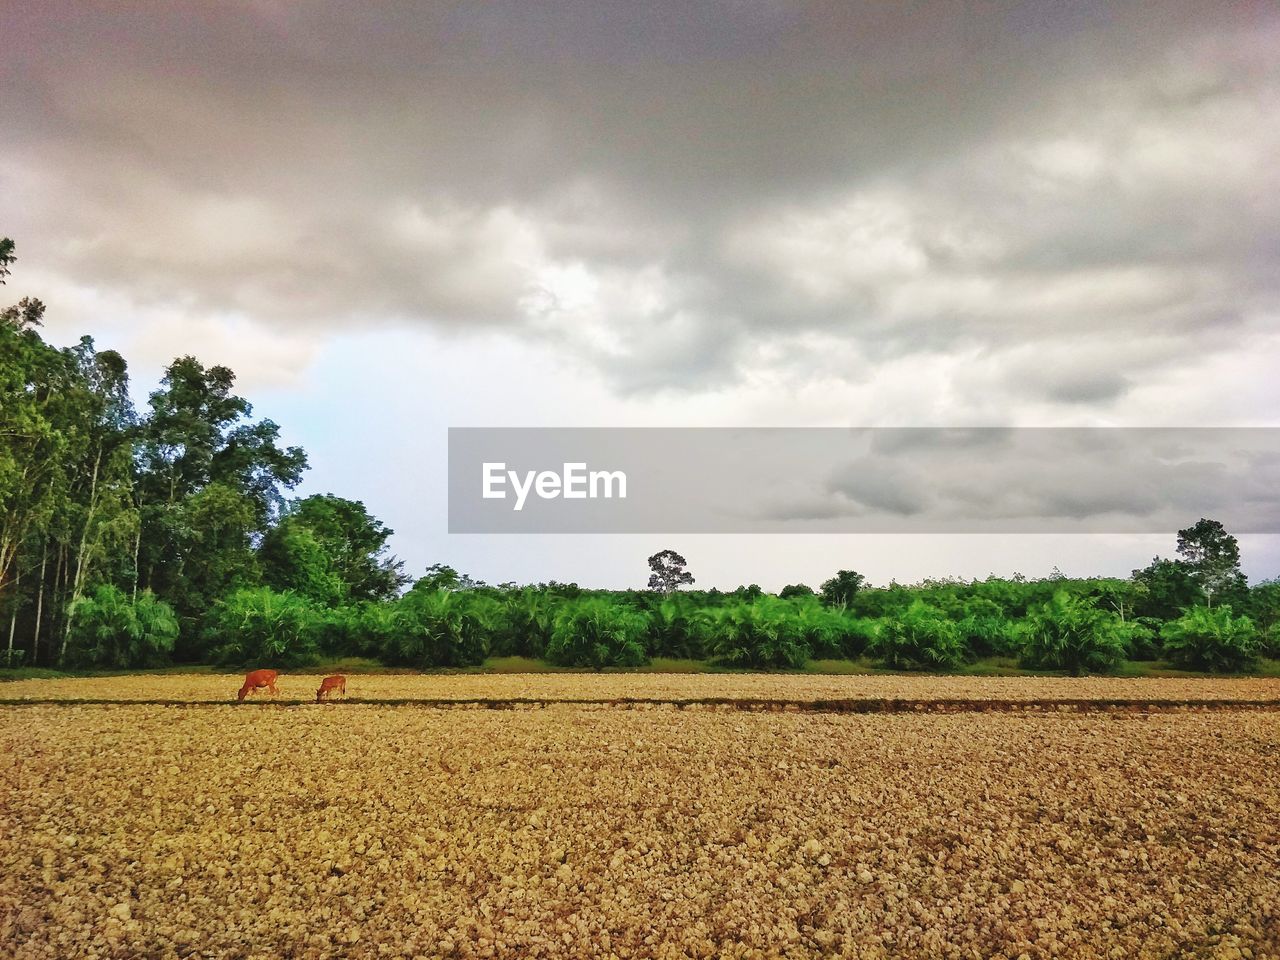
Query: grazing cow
[[330, 684], [258, 680]]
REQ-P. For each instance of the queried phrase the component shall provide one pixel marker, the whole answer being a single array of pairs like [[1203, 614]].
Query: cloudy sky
[[391, 219]]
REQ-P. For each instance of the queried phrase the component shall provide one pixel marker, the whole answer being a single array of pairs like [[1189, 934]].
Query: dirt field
[[658, 686], [582, 830]]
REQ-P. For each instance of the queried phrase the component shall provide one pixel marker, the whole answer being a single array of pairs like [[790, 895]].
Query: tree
[[197, 443], [830, 632], [795, 590], [1211, 639], [331, 550], [436, 627], [984, 628], [111, 629], [763, 632], [668, 572], [673, 631], [1213, 558], [597, 632], [37, 383], [6, 258], [441, 576], [1163, 589], [99, 518], [1070, 633], [211, 556], [840, 590], [261, 627], [1264, 610], [292, 557], [920, 638], [525, 624]]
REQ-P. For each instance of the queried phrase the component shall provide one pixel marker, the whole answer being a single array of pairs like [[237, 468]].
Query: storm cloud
[[1065, 201]]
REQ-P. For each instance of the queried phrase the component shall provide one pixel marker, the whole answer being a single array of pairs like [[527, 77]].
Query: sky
[[391, 219]]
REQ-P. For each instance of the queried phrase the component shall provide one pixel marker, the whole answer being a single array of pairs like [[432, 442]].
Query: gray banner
[[861, 480]]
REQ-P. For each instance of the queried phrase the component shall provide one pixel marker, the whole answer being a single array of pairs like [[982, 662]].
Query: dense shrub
[[596, 632], [1264, 611], [434, 627], [984, 629], [1213, 640], [1142, 638], [1070, 633], [293, 558], [111, 629], [761, 633], [831, 633], [674, 632], [262, 627], [339, 631], [375, 628], [921, 637], [522, 625]]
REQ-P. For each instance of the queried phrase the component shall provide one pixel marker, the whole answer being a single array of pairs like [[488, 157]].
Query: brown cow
[[258, 680], [330, 684]]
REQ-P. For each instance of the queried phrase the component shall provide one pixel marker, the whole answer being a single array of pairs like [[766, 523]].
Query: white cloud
[[715, 215]]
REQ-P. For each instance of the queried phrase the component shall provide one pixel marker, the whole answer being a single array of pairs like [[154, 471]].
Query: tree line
[[133, 538]]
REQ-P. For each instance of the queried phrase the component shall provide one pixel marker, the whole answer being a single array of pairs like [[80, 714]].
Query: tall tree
[[667, 572], [34, 381], [331, 550], [6, 258], [100, 520], [210, 483], [840, 590], [1212, 557], [1163, 589]]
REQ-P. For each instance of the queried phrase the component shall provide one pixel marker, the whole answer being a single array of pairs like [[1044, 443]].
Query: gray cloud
[[1080, 196], [880, 486]]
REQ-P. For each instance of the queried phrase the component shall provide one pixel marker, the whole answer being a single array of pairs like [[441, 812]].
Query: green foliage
[[110, 629], [921, 637], [764, 632], [340, 632], [1264, 610], [793, 590], [209, 482], [984, 629], [596, 632], [674, 632], [1212, 640], [831, 633], [840, 590], [37, 419], [433, 627], [523, 622], [332, 551], [1164, 588], [375, 628], [1142, 638], [293, 558], [1213, 558], [183, 507], [261, 627], [1070, 633]]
